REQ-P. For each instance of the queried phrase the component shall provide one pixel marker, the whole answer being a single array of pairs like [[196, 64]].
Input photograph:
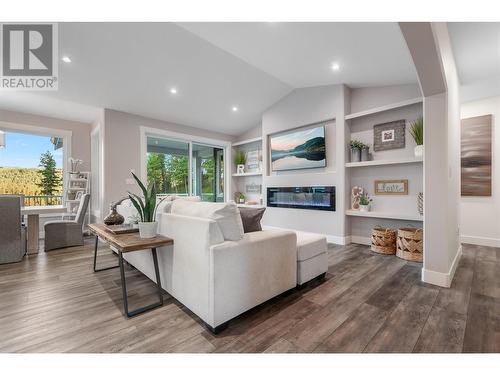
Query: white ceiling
[[301, 54], [131, 67], [476, 47]]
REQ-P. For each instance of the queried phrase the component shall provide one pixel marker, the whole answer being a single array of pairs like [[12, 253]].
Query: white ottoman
[[312, 260]]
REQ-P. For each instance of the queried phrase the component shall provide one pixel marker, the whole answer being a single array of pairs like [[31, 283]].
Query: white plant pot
[[148, 230], [364, 208], [419, 151]]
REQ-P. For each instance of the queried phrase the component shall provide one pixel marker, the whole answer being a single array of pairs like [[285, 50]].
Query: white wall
[[442, 170], [302, 107], [480, 216]]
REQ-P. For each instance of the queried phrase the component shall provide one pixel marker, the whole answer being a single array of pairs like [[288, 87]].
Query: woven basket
[[410, 244], [383, 240]]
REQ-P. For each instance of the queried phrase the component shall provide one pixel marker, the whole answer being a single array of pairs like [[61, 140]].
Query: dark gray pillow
[[251, 218]]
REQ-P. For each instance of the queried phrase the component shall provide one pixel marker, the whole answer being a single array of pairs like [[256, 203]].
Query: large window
[[168, 165], [183, 168], [32, 165]]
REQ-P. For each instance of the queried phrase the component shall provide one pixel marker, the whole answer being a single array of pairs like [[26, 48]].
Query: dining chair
[[67, 233], [12, 232]]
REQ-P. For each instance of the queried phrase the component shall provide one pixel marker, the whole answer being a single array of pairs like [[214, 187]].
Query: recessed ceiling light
[[235, 109], [173, 90], [335, 66], [66, 59]]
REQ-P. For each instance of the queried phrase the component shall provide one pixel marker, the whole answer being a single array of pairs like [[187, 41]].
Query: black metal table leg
[[95, 258], [124, 287]]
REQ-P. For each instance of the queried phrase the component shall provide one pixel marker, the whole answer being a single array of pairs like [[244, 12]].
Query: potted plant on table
[[417, 132], [364, 202], [146, 207], [240, 159]]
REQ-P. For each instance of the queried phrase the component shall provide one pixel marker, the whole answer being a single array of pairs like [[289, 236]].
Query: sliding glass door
[[207, 166], [186, 168]]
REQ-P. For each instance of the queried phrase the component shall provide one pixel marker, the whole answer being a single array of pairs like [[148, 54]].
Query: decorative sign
[[476, 156], [391, 187], [389, 136], [253, 188]]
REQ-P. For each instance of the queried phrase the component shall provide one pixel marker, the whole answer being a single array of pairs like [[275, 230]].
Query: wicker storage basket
[[410, 244], [383, 240]]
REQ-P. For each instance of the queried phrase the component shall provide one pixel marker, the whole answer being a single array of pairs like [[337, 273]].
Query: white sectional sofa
[[217, 278]]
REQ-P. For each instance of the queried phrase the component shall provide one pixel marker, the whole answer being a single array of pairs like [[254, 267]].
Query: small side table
[[126, 243]]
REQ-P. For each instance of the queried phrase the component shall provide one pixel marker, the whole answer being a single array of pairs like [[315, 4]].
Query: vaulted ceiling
[[214, 67]]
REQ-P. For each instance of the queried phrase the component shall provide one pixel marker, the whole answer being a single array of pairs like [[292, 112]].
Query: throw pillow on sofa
[[226, 215], [251, 218]]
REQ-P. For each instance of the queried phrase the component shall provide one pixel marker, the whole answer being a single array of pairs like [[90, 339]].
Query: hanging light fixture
[[2, 139]]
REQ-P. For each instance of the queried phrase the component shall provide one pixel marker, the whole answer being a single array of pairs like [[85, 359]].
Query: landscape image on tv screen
[[300, 149]]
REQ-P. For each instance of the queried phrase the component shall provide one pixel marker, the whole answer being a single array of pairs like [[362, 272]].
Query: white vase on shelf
[[364, 208], [419, 151]]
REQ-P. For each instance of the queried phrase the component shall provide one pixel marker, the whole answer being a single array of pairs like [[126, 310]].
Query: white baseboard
[[481, 241], [361, 240], [441, 278], [338, 240]]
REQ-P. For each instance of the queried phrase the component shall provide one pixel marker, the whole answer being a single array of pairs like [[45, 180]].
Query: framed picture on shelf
[[391, 187], [253, 161], [79, 195], [389, 136]]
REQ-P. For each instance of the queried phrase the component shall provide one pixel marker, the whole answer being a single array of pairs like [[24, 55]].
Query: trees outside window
[[50, 181]]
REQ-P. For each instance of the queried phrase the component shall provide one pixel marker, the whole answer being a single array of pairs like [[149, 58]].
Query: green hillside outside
[[14, 180]]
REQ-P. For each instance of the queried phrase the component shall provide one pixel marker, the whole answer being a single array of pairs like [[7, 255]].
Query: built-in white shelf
[[384, 215], [247, 141], [383, 108], [383, 162], [247, 174], [251, 205]]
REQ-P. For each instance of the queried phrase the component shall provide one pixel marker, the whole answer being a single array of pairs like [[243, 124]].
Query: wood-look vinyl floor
[[54, 302]]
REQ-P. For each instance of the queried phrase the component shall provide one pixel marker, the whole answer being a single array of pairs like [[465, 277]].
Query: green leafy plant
[[146, 205], [365, 199], [355, 144], [240, 157], [242, 196], [417, 130]]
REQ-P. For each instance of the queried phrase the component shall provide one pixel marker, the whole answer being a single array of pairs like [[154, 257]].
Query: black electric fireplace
[[305, 197]]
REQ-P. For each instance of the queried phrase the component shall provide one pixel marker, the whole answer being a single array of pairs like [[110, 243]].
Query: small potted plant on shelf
[[417, 132], [365, 152], [240, 159], [364, 202], [146, 208], [241, 198], [355, 150]]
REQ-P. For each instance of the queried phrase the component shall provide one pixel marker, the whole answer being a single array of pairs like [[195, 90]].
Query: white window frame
[[39, 130], [189, 139]]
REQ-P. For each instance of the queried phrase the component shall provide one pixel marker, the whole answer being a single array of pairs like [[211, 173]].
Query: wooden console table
[[126, 243]]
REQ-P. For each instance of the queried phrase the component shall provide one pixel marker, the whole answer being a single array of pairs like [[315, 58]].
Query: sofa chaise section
[[217, 279]]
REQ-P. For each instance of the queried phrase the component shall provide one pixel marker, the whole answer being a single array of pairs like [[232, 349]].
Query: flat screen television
[[299, 149]]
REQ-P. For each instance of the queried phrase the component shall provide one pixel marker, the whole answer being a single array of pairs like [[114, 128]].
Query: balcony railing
[[42, 200]]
